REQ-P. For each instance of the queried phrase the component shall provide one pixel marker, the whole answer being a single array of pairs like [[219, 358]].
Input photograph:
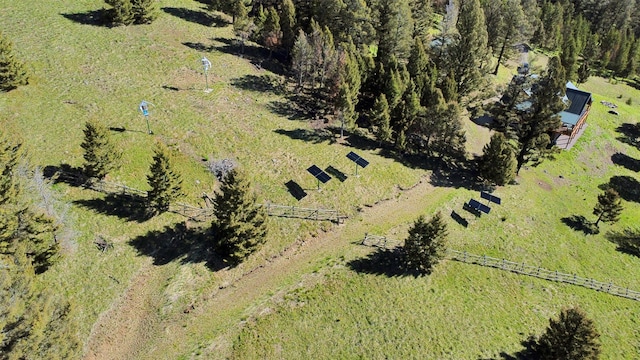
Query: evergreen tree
[[425, 246], [244, 28], [165, 182], [381, 119], [546, 102], [240, 226], [449, 88], [23, 225], [34, 322], [569, 58], [144, 11], [571, 336], [422, 14], [302, 59], [395, 30], [355, 22], [122, 12], [12, 72], [418, 67], [449, 139], [271, 31], [468, 54], [288, 23], [101, 155], [584, 71], [512, 28], [609, 207], [498, 163]]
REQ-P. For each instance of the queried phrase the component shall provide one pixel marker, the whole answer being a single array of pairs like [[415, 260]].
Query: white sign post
[[206, 65], [144, 109]]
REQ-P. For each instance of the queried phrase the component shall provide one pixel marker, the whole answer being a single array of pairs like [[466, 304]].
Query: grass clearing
[[82, 71]]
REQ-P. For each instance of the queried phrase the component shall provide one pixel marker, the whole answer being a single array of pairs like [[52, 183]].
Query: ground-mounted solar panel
[[491, 198], [319, 174], [357, 159], [478, 206]]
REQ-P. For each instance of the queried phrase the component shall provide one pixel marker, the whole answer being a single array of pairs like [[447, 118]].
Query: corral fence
[[194, 213], [518, 268]]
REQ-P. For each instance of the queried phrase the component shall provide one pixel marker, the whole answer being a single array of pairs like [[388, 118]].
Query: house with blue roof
[[574, 117]]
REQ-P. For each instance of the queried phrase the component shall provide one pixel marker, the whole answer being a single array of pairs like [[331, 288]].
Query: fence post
[[465, 256], [365, 238], [484, 260]]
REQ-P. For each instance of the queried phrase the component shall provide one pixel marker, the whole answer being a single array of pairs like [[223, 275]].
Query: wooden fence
[[196, 213], [304, 213], [518, 268]]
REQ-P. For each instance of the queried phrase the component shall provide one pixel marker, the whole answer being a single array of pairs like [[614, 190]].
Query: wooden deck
[[566, 142]]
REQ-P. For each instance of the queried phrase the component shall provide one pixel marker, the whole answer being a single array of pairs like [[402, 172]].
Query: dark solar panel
[[319, 174], [352, 156], [487, 196], [357, 159], [478, 206]]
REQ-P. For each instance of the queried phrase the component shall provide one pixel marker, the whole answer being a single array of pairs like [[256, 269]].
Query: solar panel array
[[357, 159], [478, 206], [491, 198], [319, 174]]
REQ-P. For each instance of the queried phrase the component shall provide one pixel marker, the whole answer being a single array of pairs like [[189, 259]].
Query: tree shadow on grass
[[580, 223], [124, 206], [99, 17], [387, 262], [626, 161], [627, 187], [314, 136], [630, 134], [258, 55], [199, 46], [628, 241], [261, 83], [528, 353], [178, 242], [65, 173], [196, 16]]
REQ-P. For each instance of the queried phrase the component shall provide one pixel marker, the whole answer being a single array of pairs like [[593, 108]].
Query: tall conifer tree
[[240, 226], [165, 182], [101, 154], [12, 71], [468, 55]]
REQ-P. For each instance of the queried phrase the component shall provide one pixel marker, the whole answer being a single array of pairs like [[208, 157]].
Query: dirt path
[[218, 312]]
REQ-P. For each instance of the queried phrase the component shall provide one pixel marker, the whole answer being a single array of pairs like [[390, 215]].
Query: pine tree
[[240, 226], [301, 59], [355, 23], [426, 244], [510, 29], [531, 131], [569, 57], [122, 12], [418, 67], [101, 155], [34, 322], [381, 119], [271, 31], [468, 55], [584, 71], [23, 225], [244, 28], [144, 11], [12, 72], [608, 208], [498, 163], [165, 182], [571, 336], [288, 23], [449, 138], [395, 30], [422, 14]]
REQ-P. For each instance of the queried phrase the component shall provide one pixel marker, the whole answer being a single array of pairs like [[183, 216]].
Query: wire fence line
[[518, 268], [200, 214]]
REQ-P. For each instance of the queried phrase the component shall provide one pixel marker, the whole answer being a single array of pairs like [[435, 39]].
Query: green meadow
[[300, 296]]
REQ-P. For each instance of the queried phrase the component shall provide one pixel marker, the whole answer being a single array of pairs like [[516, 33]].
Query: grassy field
[[299, 294]]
